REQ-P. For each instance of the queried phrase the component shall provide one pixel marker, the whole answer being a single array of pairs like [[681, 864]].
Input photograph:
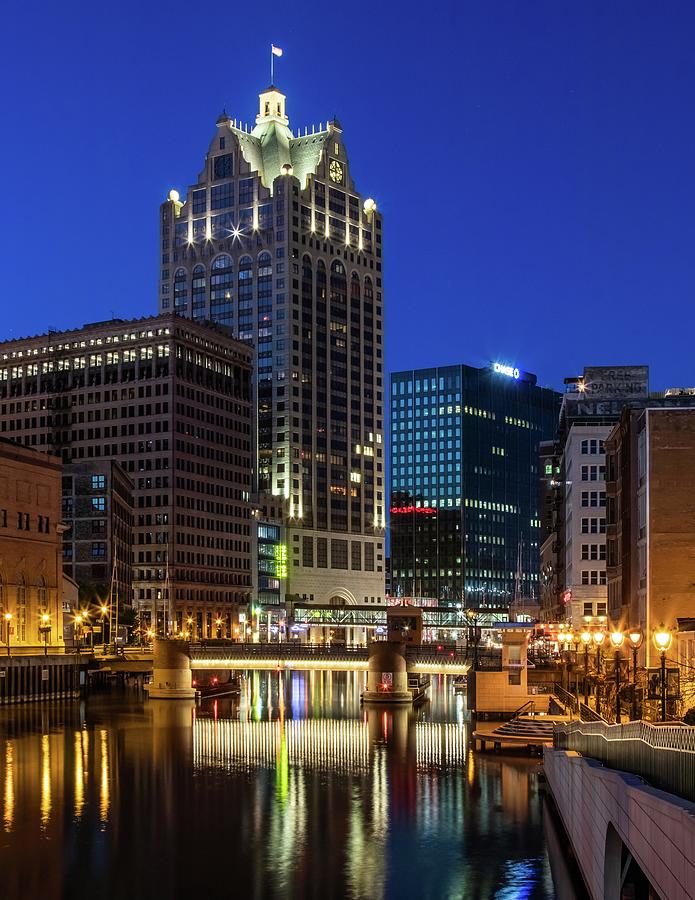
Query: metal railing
[[664, 755], [569, 701], [223, 651]]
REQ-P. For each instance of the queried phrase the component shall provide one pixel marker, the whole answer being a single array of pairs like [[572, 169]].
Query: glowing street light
[[662, 641], [45, 629], [617, 639], [8, 626]]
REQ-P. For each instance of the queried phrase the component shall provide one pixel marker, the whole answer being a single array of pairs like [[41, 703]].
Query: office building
[[576, 548], [98, 541], [464, 506], [274, 240], [31, 579], [170, 401]]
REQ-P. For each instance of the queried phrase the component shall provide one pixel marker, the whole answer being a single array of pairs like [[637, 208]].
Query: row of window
[[593, 498], [43, 523]]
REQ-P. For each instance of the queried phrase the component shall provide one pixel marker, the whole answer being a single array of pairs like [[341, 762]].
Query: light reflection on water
[[290, 790]]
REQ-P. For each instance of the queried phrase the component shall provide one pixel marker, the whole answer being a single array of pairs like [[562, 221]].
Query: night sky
[[533, 161]]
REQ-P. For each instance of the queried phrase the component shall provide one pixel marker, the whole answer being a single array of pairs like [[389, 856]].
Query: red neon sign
[[400, 510]]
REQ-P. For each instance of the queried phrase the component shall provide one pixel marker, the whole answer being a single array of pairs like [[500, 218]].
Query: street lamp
[[662, 641], [636, 636], [586, 640], [45, 629], [104, 610], [598, 637], [8, 625], [218, 623], [472, 617], [617, 639]]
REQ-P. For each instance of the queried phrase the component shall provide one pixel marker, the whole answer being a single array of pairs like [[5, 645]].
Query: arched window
[[245, 283], [180, 289], [265, 285], [224, 261], [368, 290], [321, 280], [338, 283], [198, 292], [221, 283], [355, 286], [21, 616]]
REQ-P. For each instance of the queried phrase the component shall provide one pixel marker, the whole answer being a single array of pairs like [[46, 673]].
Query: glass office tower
[[465, 483]]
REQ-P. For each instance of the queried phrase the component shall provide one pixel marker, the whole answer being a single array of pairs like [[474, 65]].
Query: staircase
[[530, 729]]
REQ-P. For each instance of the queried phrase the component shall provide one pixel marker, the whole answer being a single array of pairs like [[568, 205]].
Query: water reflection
[[290, 790]]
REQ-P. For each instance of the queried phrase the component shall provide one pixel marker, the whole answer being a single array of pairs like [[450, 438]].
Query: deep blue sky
[[533, 161]]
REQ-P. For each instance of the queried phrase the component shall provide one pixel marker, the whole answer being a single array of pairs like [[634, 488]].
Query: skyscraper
[[275, 241], [170, 400], [465, 484]]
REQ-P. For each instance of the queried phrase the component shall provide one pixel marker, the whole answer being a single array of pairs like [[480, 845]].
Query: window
[[198, 290], [588, 609], [593, 498], [322, 553], [339, 554], [221, 196], [98, 550], [223, 166], [246, 191], [593, 551], [180, 289], [308, 552], [99, 504], [221, 279], [98, 482], [593, 473], [592, 447], [594, 526], [199, 202], [593, 576]]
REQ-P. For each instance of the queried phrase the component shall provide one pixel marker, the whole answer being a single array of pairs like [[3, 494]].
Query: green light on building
[[281, 561]]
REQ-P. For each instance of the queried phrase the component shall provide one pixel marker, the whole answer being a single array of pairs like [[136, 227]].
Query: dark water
[[291, 791]]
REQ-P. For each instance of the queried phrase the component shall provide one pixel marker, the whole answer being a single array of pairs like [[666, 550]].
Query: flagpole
[[272, 61]]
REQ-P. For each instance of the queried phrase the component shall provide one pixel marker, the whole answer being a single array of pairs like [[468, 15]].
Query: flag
[[276, 51]]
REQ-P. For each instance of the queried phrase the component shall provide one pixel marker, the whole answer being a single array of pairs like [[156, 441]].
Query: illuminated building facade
[[274, 241], [170, 401], [465, 484], [30, 550]]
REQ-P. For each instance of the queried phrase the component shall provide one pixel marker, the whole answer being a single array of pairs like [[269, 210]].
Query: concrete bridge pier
[[171, 671], [387, 674]]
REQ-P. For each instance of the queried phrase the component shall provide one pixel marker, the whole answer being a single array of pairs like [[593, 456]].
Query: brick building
[[30, 549], [650, 517]]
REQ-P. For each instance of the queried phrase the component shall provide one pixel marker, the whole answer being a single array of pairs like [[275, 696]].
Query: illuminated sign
[[509, 371], [280, 561]]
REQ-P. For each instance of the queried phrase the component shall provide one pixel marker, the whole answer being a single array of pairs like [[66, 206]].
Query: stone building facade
[[30, 549], [275, 241], [170, 401]]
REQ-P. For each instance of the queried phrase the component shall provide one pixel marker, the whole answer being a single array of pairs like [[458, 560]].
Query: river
[[290, 791]]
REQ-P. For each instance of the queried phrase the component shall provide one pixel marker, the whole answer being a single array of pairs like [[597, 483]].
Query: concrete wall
[[598, 806]]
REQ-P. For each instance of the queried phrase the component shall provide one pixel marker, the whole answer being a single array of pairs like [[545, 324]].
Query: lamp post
[[8, 625], [586, 640], [104, 611], [636, 636], [189, 633], [599, 637], [45, 630], [617, 638], [576, 640], [473, 632], [662, 641]]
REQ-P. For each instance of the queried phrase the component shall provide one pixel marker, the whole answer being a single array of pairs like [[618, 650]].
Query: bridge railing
[[342, 652], [664, 755]]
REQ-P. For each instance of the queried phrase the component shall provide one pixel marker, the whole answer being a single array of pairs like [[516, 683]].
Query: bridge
[[441, 618], [224, 655], [626, 796]]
